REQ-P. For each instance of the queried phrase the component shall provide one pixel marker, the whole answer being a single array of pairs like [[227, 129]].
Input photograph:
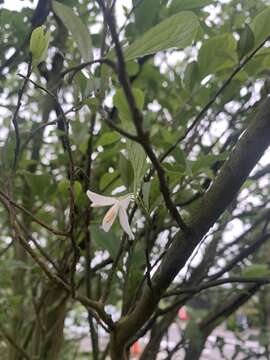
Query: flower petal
[[124, 222], [109, 217], [100, 200], [125, 201]]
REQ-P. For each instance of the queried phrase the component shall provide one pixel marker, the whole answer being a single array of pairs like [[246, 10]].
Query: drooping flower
[[119, 207]]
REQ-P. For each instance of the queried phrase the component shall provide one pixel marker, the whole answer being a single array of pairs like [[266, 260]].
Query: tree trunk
[[118, 350]]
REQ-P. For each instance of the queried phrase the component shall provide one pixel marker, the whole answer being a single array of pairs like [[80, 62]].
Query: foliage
[[157, 107]]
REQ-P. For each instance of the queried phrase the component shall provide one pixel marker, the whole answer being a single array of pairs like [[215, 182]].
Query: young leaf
[[177, 31], [39, 43], [77, 28]]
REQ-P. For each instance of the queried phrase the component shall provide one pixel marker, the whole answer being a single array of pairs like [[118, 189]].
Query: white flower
[[119, 207]]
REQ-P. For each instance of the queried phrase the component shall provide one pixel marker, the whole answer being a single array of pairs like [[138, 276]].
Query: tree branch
[[14, 118], [210, 284], [232, 175], [143, 137], [13, 343], [213, 99], [242, 255], [33, 217]]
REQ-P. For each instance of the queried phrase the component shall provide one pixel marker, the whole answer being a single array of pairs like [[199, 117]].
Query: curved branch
[[228, 182]]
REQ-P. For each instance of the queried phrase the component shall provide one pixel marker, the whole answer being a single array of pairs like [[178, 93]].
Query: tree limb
[[228, 182]]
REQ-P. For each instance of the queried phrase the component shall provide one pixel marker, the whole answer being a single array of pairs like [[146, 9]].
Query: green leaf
[[120, 102], [177, 31], [207, 161], [191, 75], [180, 5], [39, 43], [126, 171], [155, 194], [174, 172], [246, 42], [132, 68], [256, 270], [108, 138], [107, 179], [77, 28], [175, 168], [39, 184], [105, 241], [145, 13], [180, 157], [137, 157], [261, 26], [135, 270], [146, 193], [216, 54], [259, 63], [63, 187], [16, 20]]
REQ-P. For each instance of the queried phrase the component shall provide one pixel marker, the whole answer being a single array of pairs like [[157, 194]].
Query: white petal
[[125, 202], [109, 217], [124, 222], [100, 200]]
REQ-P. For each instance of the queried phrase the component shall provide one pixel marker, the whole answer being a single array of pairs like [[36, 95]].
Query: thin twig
[[213, 99], [107, 286], [39, 247], [143, 137], [112, 125], [14, 118], [66, 142], [88, 239], [35, 131], [76, 250], [38, 86], [75, 69], [13, 343], [137, 4], [33, 217], [210, 284], [95, 305], [2, 252]]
